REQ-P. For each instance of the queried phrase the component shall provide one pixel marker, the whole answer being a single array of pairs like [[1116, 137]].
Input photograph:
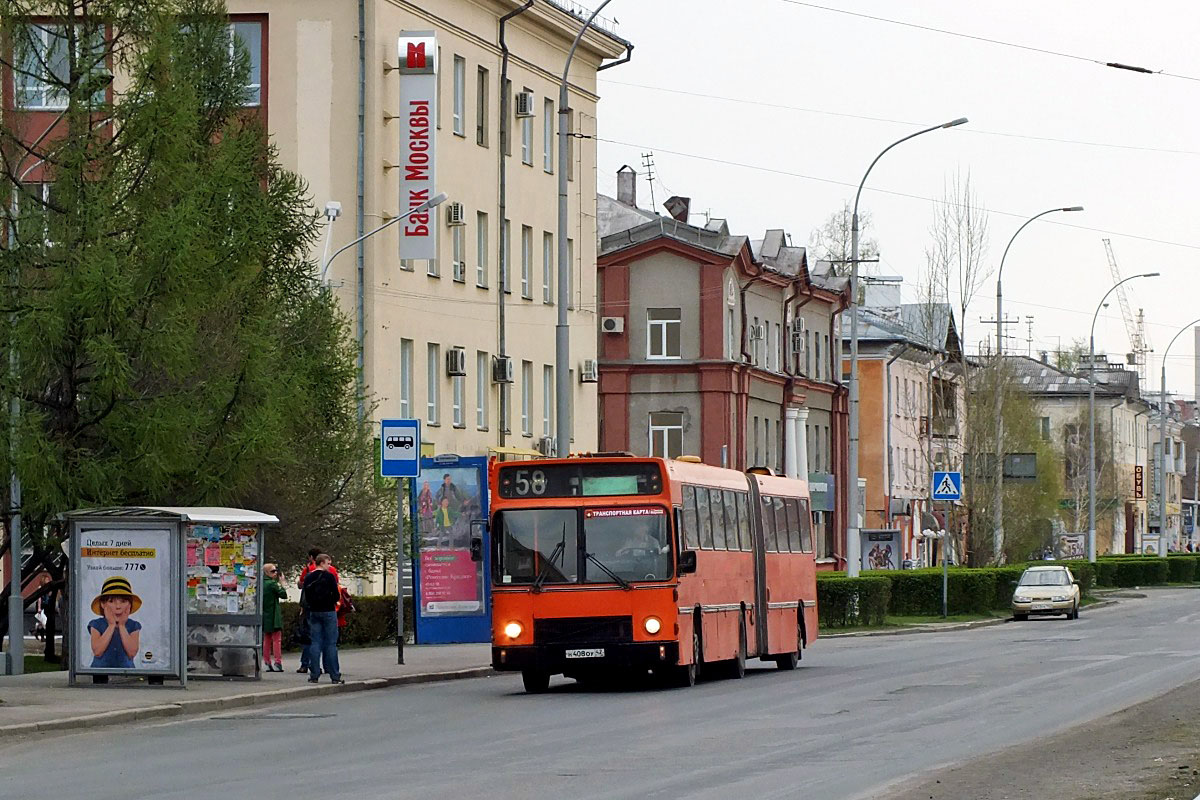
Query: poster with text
[[123, 604], [447, 500]]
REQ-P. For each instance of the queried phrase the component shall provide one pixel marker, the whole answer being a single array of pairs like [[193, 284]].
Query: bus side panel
[[722, 584], [791, 579]]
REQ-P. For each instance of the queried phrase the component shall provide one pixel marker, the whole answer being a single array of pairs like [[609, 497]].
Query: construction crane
[[1139, 343]]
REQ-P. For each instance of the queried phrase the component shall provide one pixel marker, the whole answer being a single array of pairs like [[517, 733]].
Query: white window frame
[[660, 434], [482, 364], [460, 78], [527, 398], [458, 383], [481, 249], [506, 244], [459, 266], [253, 87], [548, 136], [570, 274], [48, 98], [657, 334], [730, 340], [547, 400], [406, 364], [433, 371], [527, 138], [482, 92], [526, 262], [548, 268]]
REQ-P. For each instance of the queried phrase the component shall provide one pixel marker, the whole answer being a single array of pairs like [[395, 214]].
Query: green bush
[[969, 590], [845, 602], [1140, 571], [1106, 572], [1181, 569], [373, 621]]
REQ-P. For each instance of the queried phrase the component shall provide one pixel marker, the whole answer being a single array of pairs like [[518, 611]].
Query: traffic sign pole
[[399, 458]]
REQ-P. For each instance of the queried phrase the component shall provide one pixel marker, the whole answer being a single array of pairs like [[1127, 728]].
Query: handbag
[[302, 634]]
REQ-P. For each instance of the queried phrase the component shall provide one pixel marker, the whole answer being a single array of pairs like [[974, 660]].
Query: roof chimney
[[678, 207], [627, 186], [1045, 357]]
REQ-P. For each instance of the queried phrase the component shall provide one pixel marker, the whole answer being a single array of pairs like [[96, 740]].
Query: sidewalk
[[43, 701]]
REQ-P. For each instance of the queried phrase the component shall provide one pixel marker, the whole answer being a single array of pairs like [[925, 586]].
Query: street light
[[333, 210], [1162, 438], [437, 200], [998, 499], [1092, 415], [562, 332], [852, 543]]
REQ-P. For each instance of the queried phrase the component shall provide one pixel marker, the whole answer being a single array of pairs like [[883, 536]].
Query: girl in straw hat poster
[[115, 636]]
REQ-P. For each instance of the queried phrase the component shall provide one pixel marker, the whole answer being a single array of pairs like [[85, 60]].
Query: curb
[[187, 707], [937, 627]]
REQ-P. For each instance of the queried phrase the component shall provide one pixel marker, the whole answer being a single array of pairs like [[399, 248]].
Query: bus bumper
[[584, 658]]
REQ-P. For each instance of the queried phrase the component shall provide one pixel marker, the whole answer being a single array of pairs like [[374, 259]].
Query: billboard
[[125, 603], [418, 55]]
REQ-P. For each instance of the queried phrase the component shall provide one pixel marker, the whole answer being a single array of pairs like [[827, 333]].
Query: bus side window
[[743, 509], [731, 521], [691, 529], [768, 523], [716, 499], [781, 525], [792, 506], [702, 509], [806, 539]]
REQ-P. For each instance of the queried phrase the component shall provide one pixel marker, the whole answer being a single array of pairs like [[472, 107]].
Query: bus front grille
[[582, 630]]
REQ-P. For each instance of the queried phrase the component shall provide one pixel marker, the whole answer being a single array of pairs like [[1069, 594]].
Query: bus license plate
[[1041, 606], [597, 652]]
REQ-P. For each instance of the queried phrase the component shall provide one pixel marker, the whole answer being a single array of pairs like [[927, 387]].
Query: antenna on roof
[[648, 163]]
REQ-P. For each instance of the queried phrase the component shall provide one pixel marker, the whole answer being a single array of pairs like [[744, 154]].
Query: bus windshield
[[548, 546]]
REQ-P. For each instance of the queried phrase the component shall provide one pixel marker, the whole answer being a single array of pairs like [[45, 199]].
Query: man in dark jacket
[[321, 596], [308, 568]]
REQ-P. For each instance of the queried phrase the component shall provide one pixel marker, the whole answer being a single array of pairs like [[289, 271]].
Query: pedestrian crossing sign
[[947, 486]]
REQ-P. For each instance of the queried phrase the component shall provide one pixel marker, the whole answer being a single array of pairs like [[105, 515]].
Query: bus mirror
[[476, 548], [687, 562]]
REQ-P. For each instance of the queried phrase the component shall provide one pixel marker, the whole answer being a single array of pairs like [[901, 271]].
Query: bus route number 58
[[529, 481]]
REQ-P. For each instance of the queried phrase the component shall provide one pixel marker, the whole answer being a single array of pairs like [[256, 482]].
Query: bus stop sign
[[400, 448]]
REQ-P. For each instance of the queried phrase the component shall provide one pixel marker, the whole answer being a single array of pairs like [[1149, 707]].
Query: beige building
[[312, 69]]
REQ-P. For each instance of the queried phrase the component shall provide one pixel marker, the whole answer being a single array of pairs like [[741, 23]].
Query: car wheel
[[1075, 612]]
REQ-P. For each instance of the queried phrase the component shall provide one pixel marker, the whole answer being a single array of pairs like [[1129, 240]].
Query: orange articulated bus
[[611, 563]]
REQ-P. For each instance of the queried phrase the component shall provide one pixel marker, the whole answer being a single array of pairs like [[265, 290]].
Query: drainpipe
[[360, 209], [502, 241], [747, 362], [887, 390]]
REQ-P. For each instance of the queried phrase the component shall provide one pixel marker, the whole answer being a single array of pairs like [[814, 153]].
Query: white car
[[1046, 590]]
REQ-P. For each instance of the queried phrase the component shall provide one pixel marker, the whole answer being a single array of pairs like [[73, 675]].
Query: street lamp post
[[436, 200], [852, 543], [998, 499], [1162, 438], [562, 331], [1092, 415]]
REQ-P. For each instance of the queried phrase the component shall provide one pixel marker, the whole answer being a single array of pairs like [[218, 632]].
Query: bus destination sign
[[526, 480]]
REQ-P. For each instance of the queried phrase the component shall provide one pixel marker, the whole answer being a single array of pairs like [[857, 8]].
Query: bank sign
[[418, 128]]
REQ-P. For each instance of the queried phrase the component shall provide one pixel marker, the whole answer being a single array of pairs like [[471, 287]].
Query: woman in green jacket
[[272, 618]]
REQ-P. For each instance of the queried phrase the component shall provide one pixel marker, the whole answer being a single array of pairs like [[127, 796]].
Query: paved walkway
[[46, 701]]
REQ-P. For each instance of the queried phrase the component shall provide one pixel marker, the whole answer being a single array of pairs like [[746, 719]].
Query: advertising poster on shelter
[[447, 500], [123, 602]]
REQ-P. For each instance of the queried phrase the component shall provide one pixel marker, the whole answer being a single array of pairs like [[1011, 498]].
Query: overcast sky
[[790, 74]]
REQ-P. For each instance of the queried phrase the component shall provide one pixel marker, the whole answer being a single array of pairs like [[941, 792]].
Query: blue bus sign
[[400, 448]]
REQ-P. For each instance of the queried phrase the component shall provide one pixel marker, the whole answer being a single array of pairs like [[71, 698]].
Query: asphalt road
[[860, 716]]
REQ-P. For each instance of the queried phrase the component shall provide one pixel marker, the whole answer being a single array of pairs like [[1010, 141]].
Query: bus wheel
[[790, 660], [535, 681], [737, 669], [685, 675]]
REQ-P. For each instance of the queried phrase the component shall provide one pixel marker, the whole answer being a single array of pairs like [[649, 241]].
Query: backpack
[[321, 592]]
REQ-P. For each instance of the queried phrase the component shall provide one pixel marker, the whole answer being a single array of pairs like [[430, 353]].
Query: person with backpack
[[301, 635], [321, 594]]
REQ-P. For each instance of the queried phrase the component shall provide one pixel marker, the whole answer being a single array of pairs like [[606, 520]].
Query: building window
[[481, 107], [1045, 429], [662, 333], [247, 36], [432, 268], [526, 262], [820, 374], [666, 434], [757, 459], [547, 400], [571, 274], [406, 264], [548, 268], [526, 398], [506, 246], [481, 390], [459, 385], [460, 76], [434, 356], [406, 365], [481, 250], [548, 135], [527, 139], [45, 70], [460, 262], [730, 338]]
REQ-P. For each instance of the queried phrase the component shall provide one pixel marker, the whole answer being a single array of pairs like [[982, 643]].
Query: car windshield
[[1045, 578], [546, 546]]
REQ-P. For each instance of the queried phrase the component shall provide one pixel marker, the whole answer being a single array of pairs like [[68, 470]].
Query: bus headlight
[[652, 625], [513, 630]]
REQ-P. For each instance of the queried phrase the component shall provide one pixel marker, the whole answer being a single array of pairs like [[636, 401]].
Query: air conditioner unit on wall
[[524, 104], [547, 446], [456, 362], [612, 324], [502, 369], [455, 214], [590, 373]]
